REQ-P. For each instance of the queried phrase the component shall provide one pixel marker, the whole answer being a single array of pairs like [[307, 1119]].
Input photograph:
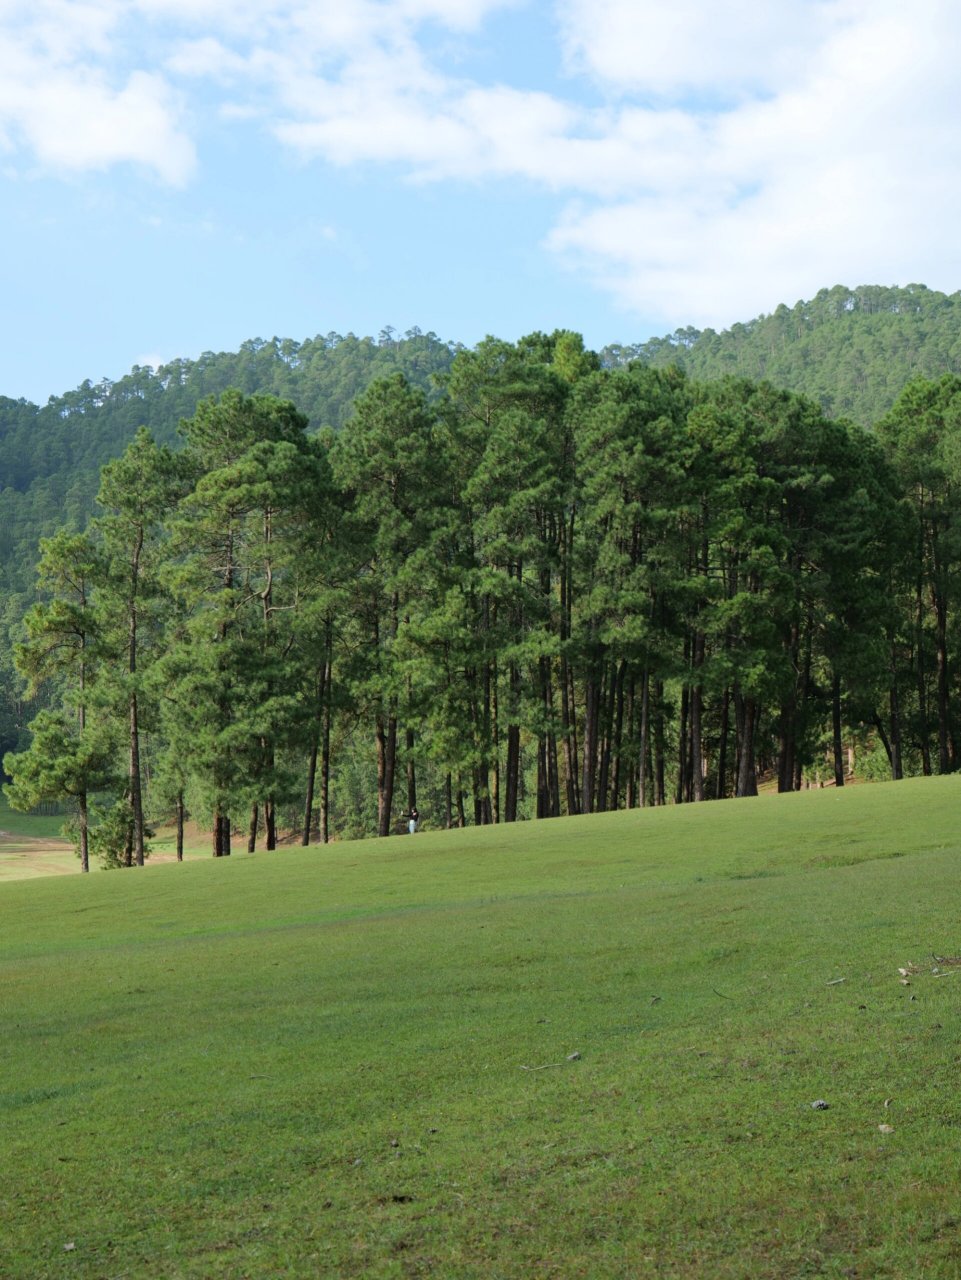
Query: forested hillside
[[852, 350], [514, 581], [50, 457], [549, 588]]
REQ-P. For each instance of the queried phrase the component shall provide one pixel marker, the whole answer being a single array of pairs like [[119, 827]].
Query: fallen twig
[[571, 1057], [834, 982]]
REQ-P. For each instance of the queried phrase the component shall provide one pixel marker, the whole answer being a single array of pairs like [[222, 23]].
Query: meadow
[[579, 1048]]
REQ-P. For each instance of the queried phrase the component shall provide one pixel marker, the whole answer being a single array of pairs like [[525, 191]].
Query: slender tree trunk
[[386, 732], [128, 836], [617, 737], [512, 764], [83, 823], [135, 784], [592, 709], [630, 796], [697, 744], [660, 794], [309, 798], [325, 742], [511, 770], [897, 767], [221, 834], [682, 791], [270, 818], [606, 733], [645, 746], [569, 735], [495, 790], [568, 702], [720, 791], [553, 773], [180, 826], [836, 731], [922, 680], [136, 790], [252, 834], [312, 758], [746, 767], [941, 619]]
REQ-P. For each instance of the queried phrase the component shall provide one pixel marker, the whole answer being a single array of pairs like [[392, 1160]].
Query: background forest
[[514, 581]]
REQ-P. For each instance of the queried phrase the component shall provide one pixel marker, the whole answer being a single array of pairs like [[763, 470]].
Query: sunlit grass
[[357, 1061]]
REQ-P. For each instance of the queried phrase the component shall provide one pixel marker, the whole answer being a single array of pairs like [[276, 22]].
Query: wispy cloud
[[710, 157]]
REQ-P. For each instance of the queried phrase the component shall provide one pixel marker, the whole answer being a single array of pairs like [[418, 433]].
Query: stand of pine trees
[[550, 589]]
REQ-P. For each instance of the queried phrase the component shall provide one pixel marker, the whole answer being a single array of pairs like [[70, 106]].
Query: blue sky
[[180, 175]]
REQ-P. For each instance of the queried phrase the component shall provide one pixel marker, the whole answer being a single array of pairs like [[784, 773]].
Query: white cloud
[[714, 156], [64, 101], [851, 174], [717, 48]]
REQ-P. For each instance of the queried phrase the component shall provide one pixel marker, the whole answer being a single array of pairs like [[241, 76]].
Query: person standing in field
[[413, 817]]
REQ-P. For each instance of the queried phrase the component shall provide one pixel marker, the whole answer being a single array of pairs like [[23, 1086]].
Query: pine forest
[[300, 591]]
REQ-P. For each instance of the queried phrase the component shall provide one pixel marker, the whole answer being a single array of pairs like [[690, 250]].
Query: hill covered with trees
[[514, 581], [851, 350], [50, 456]]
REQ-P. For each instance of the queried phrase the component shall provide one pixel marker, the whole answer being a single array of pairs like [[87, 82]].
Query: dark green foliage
[[541, 587], [851, 350], [50, 456]]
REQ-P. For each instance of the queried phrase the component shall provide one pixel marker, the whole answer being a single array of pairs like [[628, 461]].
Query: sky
[[178, 176]]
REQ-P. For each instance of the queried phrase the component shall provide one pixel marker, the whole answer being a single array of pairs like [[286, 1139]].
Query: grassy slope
[[32, 847], [310, 1063]]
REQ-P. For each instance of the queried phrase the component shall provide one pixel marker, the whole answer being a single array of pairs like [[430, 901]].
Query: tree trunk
[[252, 834], [922, 685], [941, 618], [386, 759], [592, 709], [135, 785], [83, 823], [136, 790], [325, 759], [660, 795], [309, 799], [568, 725], [513, 761], [316, 731], [511, 770], [746, 767], [836, 731], [606, 736], [720, 791], [180, 826], [411, 771], [644, 753], [682, 791]]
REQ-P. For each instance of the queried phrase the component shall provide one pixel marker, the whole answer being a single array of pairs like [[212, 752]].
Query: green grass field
[[358, 1061]]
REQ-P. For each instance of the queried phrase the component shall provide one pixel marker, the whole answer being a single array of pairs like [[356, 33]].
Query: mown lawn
[[357, 1061]]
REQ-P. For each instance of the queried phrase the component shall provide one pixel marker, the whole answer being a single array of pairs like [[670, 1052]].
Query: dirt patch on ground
[[26, 857]]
